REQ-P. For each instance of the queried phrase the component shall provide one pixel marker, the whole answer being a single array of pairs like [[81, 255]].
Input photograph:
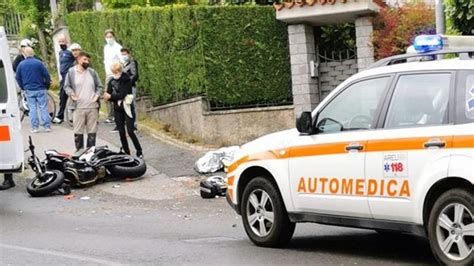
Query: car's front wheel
[[451, 228], [264, 214]]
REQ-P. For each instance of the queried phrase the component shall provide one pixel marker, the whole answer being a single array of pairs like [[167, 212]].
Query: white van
[[11, 141]]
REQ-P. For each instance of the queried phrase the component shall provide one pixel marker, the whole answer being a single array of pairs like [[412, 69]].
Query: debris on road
[[85, 198], [214, 161], [213, 187], [116, 186], [69, 197]]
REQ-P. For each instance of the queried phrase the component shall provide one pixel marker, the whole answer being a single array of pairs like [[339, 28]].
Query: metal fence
[[331, 56], [12, 23]]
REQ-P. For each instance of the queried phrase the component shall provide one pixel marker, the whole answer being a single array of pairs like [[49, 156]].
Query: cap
[[75, 46], [26, 42]]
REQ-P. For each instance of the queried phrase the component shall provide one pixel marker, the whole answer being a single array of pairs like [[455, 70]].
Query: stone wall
[[331, 74], [222, 128]]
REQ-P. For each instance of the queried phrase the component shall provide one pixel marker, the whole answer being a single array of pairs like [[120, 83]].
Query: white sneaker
[[34, 130], [57, 120], [47, 130]]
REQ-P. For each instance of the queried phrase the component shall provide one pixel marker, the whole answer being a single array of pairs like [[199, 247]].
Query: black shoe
[[8, 183], [140, 155]]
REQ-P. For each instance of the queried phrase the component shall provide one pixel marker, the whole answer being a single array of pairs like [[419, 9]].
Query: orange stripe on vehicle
[[460, 142], [404, 144], [381, 145], [230, 180], [267, 155], [5, 133]]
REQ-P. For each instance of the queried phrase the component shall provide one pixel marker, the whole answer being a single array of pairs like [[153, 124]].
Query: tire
[[134, 169], [37, 188], [276, 234], [445, 228]]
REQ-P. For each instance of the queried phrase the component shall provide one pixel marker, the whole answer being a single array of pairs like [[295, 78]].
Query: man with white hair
[[33, 78], [66, 61], [21, 56]]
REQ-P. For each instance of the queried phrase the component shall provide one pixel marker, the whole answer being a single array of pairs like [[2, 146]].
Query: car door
[[413, 146], [11, 142], [326, 169]]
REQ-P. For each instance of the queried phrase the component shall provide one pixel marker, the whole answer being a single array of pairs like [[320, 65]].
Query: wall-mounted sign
[[291, 3]]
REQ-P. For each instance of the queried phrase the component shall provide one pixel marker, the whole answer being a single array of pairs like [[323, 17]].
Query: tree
[[461, 15]]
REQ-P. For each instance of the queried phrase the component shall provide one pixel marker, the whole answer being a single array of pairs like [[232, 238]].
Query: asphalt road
[[162, 220]]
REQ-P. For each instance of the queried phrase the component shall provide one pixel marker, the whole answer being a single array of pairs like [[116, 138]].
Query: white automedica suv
[[390, 149]]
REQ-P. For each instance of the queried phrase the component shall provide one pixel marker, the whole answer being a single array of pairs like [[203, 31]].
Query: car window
[[354, 108], [419, 100], [468, 91], [3, 84]]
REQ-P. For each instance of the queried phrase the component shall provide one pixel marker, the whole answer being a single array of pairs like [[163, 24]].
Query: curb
[[172, 141]]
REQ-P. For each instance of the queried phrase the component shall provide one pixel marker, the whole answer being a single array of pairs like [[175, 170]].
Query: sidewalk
[[155, 185]]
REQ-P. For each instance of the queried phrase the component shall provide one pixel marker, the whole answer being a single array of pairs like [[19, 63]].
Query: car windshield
[[3, 84]]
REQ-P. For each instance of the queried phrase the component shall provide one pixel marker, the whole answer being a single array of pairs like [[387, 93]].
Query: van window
[[469, 96], [3, 84], [419, 100], [465, 98]]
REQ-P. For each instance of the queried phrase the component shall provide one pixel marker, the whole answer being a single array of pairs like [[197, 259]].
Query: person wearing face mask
[[111, 55], [84, 88], [66, 61], [130, 66], [119, 92]]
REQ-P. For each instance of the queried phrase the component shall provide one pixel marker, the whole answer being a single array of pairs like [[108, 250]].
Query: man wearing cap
[[21, 56], [66, 61], [112, 54]]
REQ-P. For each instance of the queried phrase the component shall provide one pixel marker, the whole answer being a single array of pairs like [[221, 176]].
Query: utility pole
[[440, 26]]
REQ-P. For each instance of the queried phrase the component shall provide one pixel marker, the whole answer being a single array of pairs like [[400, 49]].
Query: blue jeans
[[38, 99]]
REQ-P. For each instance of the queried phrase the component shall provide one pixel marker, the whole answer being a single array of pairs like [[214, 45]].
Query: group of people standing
[[81, 84]]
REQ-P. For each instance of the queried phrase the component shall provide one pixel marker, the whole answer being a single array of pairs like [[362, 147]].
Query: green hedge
[[235, 55]]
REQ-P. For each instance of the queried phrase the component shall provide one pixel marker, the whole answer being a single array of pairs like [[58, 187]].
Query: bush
[[395, 28], [236, 55], [461, 15]]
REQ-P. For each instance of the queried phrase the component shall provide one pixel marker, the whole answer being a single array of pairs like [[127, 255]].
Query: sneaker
[[109, 120], [115, 130], [57, 121], [47, 130], [34, 130]]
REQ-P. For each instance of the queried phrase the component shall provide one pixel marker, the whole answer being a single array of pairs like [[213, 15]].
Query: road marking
[[60, 254]]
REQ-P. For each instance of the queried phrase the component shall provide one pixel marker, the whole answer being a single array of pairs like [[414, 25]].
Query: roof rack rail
[[396, 59]]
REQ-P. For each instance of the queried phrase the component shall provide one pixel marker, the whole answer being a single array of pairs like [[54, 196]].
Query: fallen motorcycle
[[60, 171]]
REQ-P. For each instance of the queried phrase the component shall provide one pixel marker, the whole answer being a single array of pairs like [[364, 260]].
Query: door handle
[[435, 143], [354, 147]]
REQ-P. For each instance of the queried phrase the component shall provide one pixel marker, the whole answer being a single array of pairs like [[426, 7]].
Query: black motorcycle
[[61, 171]]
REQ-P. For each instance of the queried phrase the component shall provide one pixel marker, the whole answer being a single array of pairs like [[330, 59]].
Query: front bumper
[[236, 207]]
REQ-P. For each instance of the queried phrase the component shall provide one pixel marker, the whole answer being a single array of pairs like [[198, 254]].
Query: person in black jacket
[[21, 56], [119, 90], [130, 66]]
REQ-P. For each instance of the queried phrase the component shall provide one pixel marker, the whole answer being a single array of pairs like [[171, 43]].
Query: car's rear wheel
[[451, 228], [264, 214]]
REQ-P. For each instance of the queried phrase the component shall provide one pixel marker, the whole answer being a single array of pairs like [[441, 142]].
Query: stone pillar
[[302, 52], [365, 48]]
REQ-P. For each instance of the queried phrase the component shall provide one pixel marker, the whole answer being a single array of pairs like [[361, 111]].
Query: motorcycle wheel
[[134, 169], [51, 182]]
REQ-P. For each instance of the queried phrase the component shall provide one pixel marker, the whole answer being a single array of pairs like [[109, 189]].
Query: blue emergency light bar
[[428, 43]]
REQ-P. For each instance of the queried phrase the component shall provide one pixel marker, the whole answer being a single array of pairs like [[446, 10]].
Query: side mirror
[[304, 123]]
